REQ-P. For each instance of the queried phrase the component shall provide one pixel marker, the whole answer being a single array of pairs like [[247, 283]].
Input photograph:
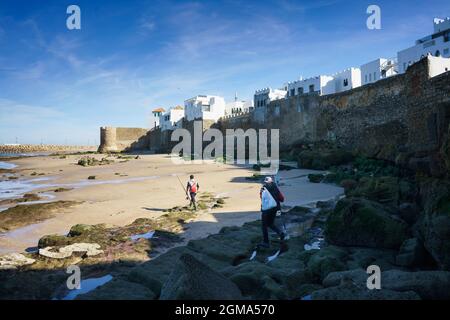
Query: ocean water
[[87, 286], [7, 165]]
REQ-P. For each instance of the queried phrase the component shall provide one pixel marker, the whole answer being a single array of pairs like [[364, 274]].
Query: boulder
[[52, 240], [88, 249], [361, 222], [350, 291], [380, 189], [256, 280], [327, 260], [315, 178], [14, 260], [323, 159], [426, 284], [412, 253], [348, 185], [80, 229], [409, 212], [193, 280], [119, 289]]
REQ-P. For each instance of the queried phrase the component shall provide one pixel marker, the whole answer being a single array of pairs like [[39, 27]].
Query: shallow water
[[10, 189], [87, 286], [7, 165], [147, 235]]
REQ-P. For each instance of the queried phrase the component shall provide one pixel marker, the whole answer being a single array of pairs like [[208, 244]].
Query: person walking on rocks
[[192, 189], [271, 198]]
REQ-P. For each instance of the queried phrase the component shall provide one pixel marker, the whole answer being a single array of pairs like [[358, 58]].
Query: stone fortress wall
[[116, 139], [404, 118]]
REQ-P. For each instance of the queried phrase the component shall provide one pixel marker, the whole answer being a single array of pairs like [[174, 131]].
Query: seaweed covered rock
[[257, 280], [412, 253], [52, 240], [80, 229], [435, 224], [424, 284], [361, 222], [327, 260], [119, 289], [191, 279], [322, 159], [350, 291], [386, 190]]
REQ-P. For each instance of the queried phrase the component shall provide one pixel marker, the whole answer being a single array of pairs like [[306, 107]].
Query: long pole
[[182, 186]]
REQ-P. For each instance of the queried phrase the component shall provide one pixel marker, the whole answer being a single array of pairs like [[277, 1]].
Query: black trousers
[[193, 202], [268, 221]]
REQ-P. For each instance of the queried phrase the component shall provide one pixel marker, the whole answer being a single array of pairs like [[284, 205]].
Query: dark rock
[[315, 178], [193, 280], [118, 289], [409, 212], [327, 260], [80, 229], [52, 241], [322, 159], [428, 284], [411, 254], [257, 280], [348, 184], [350, 291], [361, 222]]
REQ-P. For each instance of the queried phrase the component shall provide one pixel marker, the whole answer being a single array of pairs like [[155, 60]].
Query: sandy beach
[[131, 188]]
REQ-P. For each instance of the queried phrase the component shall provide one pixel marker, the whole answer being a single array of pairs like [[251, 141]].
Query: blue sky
[[59, 86]]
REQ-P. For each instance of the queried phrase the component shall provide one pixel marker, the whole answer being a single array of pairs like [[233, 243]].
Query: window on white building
[[365, 78], [311, 88], [300, 90], [206, 107], [370, 77], [374, 76], [292, 92], [345, 82], [437, 53]]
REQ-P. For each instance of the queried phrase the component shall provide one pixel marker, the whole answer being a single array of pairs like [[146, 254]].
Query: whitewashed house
[[264, 96], [436, 44], [438, 65], [377, 69], [321, 84], [238, 107], [154, 118], [347, 79], [204, 107], [170, 120]]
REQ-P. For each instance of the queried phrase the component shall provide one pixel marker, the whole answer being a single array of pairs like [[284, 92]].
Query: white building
[[347, 79], [378, 69], [170, 120], [438, 65], [237, 107], [204, 107], [154, 118], [321, 84], [437, 44], [264, 96]]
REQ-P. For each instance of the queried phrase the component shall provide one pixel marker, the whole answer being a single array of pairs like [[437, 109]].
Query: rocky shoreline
[[391, 218]]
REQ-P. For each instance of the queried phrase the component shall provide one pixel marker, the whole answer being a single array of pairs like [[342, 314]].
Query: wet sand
[[143, 188]]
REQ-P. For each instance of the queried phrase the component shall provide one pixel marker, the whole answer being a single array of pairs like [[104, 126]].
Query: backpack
[[192, 186], [267, 200]]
